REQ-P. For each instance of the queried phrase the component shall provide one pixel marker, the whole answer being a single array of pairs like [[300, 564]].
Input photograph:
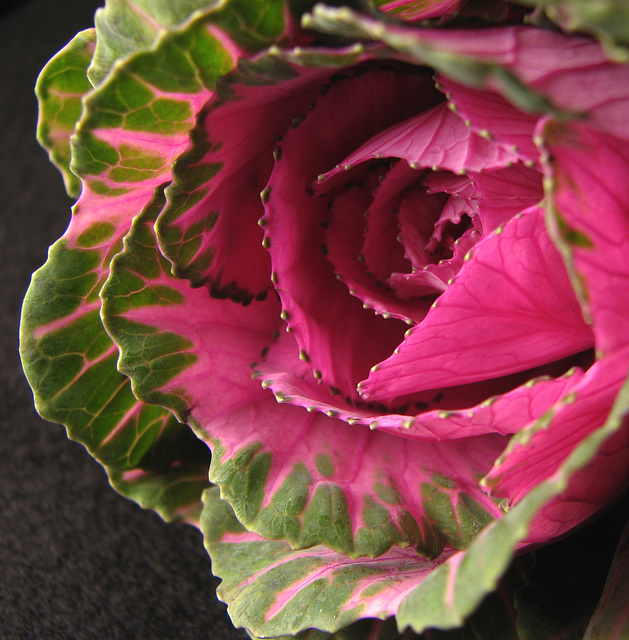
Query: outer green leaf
[[255, 24], [132, 127], [456, 588], [611, 618], [60, 87], [71, 365], [125, 27], [272, 589], [126, 134], [490, 622], [171, 491], [606, 20]]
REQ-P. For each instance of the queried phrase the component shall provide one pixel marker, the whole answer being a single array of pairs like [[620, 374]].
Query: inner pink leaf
[[217, 211], [510, 308], [436, 138], [383, 253], [344, 240], [491, 115], [327, 321], [501, 405]]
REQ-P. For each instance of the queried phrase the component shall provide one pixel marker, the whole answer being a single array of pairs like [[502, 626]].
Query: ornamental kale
[[345, 289]]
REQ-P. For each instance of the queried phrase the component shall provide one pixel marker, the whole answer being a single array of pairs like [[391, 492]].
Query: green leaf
[[70, 363], [273, 590], [132, 127], [254, 24], [454, 590], [491, 622], [128, 27], [125, 27], [140, 279], [606, 20], [172, 491], [60, 87], [158, 92]]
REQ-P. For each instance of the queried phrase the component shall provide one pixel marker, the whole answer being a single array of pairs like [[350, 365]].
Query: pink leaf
[[383, 253], [436, 138], [491, 115], [344, 239], [209, 228], [284, 470], [535, 319], [539, 449], [573, 73], [225, 339], [590, 193], [501, 406], [387, 491], [326, 320]]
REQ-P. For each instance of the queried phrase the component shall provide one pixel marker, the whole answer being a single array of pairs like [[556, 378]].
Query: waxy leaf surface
[[131, 129], [284, 590], [525, 326], [216, 192], [272, 589], [60, 87], [594, 247], [328, 333], [127, 27]]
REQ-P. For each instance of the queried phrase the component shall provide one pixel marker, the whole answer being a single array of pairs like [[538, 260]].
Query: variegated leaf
[[454, 590], [132, 127], [60, 87]]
